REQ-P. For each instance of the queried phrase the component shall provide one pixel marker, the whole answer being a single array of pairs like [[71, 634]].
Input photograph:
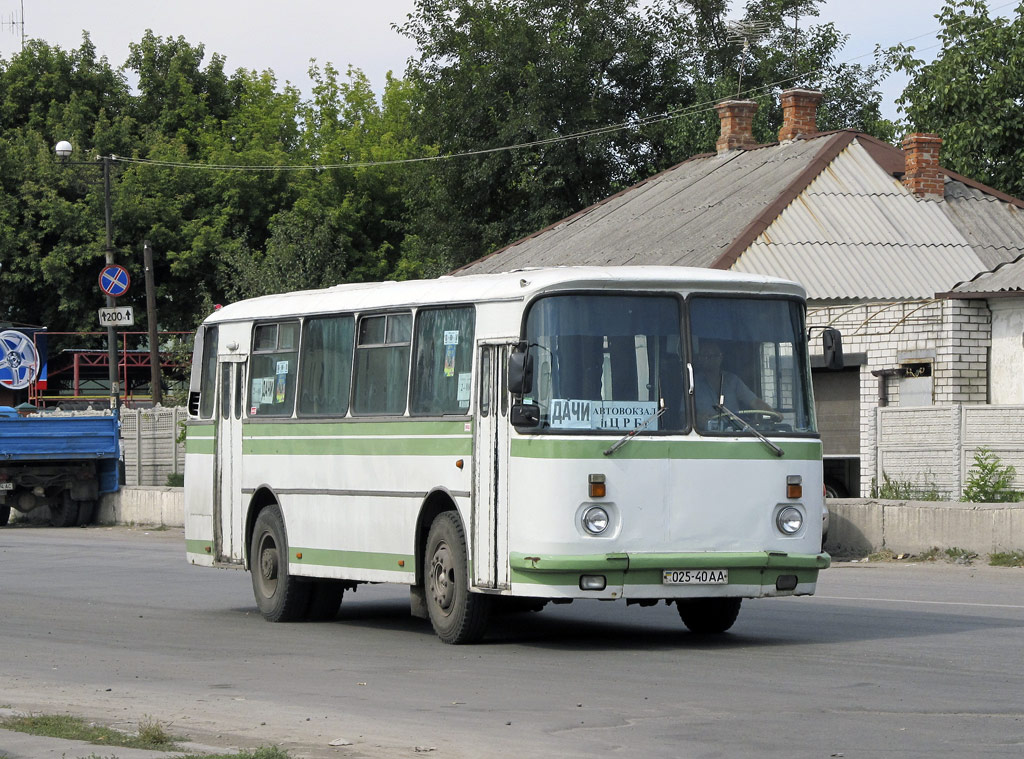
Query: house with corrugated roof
[[874, 233]]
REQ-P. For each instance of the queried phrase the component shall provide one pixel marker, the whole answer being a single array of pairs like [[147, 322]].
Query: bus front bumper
[[666, 575]]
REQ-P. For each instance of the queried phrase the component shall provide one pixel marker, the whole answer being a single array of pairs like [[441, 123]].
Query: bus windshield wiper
[[721, 409], [633, 433]]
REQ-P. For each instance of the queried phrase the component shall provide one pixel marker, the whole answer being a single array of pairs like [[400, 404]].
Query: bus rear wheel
[[709, 616], [279, 596], [457, 615]]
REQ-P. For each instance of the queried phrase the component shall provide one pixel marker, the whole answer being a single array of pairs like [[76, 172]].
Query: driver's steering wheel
[[760, 414], [755, 417]]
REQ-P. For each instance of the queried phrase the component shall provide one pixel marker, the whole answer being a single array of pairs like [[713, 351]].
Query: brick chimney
[[799, 113], [923, 176], [737, 117]]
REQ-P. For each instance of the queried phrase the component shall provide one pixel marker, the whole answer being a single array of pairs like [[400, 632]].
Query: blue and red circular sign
[[114, 280]]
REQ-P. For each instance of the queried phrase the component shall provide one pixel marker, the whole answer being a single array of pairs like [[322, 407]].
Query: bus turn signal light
[[596, 486], [794, 486]]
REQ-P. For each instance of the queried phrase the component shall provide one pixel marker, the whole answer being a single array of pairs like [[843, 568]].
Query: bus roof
[[522, 284]]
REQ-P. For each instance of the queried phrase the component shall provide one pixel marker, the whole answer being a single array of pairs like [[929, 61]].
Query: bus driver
[[712, 383]]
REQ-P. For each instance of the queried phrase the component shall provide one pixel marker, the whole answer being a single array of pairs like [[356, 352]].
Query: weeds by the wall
[[988, 481]]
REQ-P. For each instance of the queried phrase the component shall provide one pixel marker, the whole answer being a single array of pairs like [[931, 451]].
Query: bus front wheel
[[279, 596], [709, 616], [457, 615]]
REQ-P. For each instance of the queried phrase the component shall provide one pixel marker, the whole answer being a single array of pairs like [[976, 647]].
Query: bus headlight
[[595, 520], [789, 520]]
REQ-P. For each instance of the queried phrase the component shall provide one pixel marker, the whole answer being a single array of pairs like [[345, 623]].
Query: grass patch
[[263, 752], [1009, 559], [151, 734]]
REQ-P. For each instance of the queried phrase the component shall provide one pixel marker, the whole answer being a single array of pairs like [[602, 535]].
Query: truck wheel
[[86, 512], [457, 615], [709, 616], [279, 596], [65, 514], [5, 515]]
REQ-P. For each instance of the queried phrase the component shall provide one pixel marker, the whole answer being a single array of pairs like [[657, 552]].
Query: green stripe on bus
[[200, 445], [358, 447], [354, 429], [202, 547], [567, 448], [326, 557], [596, 563]]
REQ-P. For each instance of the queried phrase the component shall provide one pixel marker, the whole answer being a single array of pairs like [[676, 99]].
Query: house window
[[916, 384]]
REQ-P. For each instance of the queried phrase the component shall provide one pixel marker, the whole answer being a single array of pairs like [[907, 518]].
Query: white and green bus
[[617, 433]]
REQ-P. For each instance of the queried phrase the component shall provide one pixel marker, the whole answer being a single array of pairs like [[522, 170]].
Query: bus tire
[[457, 615], [709, 616], [324, 600], [279, 596]]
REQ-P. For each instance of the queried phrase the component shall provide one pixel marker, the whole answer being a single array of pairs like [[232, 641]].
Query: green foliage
[[988, 481], [904, 490], [487, 74], [1007, 559], [970, 94], [151, 736]]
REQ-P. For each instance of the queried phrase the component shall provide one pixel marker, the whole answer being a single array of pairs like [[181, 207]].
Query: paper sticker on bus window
[[602, 415], [464, 389], [624, 415], [262, 390], [569, 414], [449, 360], [282, 367], [451, 337], [281, 386]]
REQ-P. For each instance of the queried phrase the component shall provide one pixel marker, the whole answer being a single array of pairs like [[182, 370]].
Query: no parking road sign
[[114, 280]]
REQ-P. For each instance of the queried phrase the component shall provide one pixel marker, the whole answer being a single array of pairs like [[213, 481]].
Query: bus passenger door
[[229, 533], [490, 477]]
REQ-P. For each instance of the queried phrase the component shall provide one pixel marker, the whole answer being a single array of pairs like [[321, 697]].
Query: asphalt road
[[889, 659]]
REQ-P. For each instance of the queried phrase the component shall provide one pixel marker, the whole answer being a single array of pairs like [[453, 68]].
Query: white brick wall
[[955, 333]]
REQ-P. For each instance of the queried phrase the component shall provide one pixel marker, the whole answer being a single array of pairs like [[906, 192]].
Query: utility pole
[[154, 347], [114, 373]]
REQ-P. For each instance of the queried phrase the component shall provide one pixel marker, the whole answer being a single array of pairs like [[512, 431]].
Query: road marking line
[[908, 601]]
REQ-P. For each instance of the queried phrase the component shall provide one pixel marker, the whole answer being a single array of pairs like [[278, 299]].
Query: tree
[[972, 93], [597, 95]]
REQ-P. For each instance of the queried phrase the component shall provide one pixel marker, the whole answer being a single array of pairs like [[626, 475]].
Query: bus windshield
[[749, 361], [609, 363]]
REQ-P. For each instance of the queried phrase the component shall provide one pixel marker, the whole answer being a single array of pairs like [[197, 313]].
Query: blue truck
[[63, 462]]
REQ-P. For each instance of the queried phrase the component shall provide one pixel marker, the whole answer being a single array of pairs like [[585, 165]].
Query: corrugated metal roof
[[994, 229], [686, 216], [1005, 278], [854, 232], [857, 233]]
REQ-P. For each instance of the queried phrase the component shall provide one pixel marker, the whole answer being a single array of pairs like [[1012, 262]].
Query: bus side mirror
[[520, 371], [525, 415], [832, 344]]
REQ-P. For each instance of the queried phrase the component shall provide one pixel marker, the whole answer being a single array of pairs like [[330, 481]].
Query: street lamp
[[63, 150]]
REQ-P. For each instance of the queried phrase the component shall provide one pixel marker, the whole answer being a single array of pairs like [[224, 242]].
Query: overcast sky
[[284, 36]]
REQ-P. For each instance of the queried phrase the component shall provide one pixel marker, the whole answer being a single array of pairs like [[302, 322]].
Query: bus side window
[[382, 364], [442, 362], [208, 378], [326, 366], [273, 369]]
